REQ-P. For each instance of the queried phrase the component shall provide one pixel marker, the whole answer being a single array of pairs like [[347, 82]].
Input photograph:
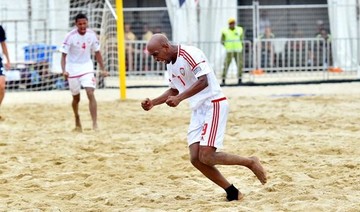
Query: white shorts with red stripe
[[86, 80], [208, 123]]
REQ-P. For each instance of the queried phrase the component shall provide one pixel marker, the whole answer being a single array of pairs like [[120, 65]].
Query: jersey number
[[204, 129]]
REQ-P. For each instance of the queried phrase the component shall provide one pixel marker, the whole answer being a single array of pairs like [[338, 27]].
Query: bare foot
[[2, 118], [258, 169], [77, 129], [240, 196], [95, 127]]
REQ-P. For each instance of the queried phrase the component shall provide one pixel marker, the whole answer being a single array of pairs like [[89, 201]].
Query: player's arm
[[99, 59], [198, 86], [63, 65], [147, 104]]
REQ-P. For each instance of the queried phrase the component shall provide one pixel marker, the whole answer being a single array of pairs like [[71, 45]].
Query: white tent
[[203, 21], [345, 33], [183, 19], [212, 21]]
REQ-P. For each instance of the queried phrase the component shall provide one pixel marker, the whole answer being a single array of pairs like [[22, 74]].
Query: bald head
[[157, 41], [161, 49]]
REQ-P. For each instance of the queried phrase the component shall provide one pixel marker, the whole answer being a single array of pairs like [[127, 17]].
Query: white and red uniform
[[78, 60], [209, 107]]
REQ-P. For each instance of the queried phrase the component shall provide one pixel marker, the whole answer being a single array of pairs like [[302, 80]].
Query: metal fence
[[294, 54], [292, 60]]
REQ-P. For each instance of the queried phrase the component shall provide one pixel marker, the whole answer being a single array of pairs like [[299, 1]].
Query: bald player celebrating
[[192, 78]]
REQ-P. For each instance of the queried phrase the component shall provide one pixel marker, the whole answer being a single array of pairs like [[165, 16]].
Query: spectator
[[294, 48], [232, 39], [129, 47], [7, 65], [264, 22], [320, 53], [319, 25], [324, 47], [295, 32], [324, 34], [267, 48], [78, 68], [147, 33]]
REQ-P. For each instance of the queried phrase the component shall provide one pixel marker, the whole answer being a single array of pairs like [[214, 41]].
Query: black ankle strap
[[232, 193]]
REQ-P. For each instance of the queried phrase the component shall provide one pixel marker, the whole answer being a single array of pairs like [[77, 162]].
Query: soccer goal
[[35, 33]]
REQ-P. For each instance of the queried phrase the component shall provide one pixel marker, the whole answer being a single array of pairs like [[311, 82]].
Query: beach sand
[[306, 136]]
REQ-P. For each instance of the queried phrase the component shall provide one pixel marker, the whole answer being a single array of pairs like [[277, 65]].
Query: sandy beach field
[[306, 136]]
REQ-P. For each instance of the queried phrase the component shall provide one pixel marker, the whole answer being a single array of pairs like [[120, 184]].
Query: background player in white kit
[[192, 78], [78, 68]]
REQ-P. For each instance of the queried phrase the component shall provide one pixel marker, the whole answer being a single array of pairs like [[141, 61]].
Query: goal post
[[121, 47]]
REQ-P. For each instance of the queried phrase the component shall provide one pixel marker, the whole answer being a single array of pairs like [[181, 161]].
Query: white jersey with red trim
[[190, 64], [78, 49]]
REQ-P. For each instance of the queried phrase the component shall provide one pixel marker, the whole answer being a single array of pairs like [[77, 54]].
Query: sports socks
[[232, 193]]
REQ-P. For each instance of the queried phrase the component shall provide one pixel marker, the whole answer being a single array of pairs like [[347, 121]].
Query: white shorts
[[87, 80], [208, 123]]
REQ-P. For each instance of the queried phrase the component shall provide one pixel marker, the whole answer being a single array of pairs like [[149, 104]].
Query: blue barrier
[[39, 52]]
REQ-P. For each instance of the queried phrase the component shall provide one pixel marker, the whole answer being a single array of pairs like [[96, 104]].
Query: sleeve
[[96, 43], [2, 34], [65, 46], [202, 66]]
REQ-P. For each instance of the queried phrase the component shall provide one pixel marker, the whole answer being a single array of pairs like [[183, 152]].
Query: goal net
[[36, 31]]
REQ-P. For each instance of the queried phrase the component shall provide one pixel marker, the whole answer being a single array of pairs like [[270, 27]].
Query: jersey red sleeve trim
[[197, 65], [188, 58]]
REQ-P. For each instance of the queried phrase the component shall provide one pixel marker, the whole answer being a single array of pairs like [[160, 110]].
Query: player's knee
[[194, 161], [76, 99], [91, 95], [206, 158]]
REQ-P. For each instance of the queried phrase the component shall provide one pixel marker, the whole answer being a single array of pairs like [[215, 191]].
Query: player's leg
[[210, 172], [92, 106], [2, 90], [75, 86], [213, 136], [210, 157], [88, 81], [195, 133], [213, 174], [75, 107]]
